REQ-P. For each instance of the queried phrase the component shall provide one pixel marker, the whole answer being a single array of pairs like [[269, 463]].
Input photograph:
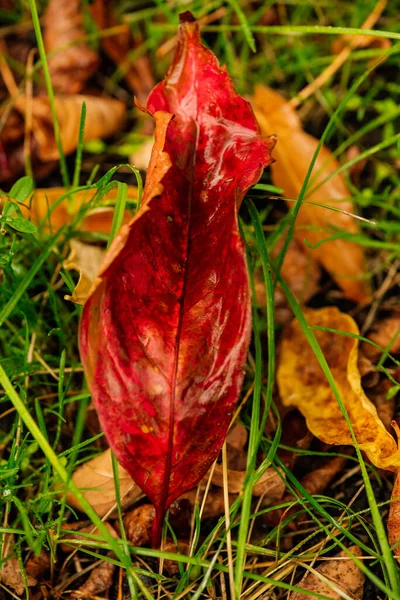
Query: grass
[[44, 403]]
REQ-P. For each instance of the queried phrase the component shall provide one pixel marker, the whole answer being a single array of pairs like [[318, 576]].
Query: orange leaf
[[343, 259]]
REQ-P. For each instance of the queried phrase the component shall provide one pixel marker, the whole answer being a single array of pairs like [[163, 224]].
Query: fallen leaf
[[172, 566], [270, 485], [96, 480], [66, 540], [385, 406], [99, 581], [86, 259], [333, 578], [38, 566], [138, 523], [97, 219], [104, 117], [71, 61], [167, 373], [393, 524], [300, 271], [302, 383], [343, 259], [10, 571], [120, 46], [368, 372], [314, 482], [317, 480], [386, 334], [214, 505]]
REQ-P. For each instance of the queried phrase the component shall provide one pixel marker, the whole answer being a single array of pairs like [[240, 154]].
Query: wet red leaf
[[164, 334]]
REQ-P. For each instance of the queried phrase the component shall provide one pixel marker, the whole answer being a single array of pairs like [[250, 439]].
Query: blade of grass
[[50, 92]]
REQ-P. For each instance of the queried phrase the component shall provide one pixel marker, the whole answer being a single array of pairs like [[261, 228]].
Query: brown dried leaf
[[300, 271], [302, 383], [99, 582], [104, 117], [338, 574], [171, 566], [37, 566], [81, 527], [386, 334], [10, 572], [138, 523], [96, 480], [118, 47], [343, 259], [270, 485], [70, 63], [314, 483], [214, 505], [385, 406], [318, 479]]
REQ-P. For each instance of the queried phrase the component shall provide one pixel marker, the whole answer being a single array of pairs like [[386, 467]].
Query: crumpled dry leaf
[[97, 220], [385, 406], [10, 572], [386, 334], [96, 480], [271, 486], [138, 523], [86, 259], [302, 383], [137, 73], [341, 572], [70, 63], [37, 566], [343, 259], [314, 482], [393, 524], [104, 117], [99, 582], [81, 527], [171, 566], [214, 505], [300, 271]]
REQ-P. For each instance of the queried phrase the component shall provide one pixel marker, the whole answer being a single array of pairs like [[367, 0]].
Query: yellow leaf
[[294, 150], [302, 384]]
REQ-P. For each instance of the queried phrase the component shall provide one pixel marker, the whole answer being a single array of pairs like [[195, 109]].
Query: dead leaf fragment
[[71, 62], [302, 383], [138, 523], [393, 524], [300, 271], [385, 406], [10, 572], [271, 486], [343, 259], [96, 480], [333, 578], [67, 539], [138, 73], [172, 566], [386, 334], [86, 259], [104, 117], [98, 219], [99, 582]]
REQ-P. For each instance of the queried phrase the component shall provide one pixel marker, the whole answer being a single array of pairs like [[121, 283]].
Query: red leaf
[[164, 336]]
